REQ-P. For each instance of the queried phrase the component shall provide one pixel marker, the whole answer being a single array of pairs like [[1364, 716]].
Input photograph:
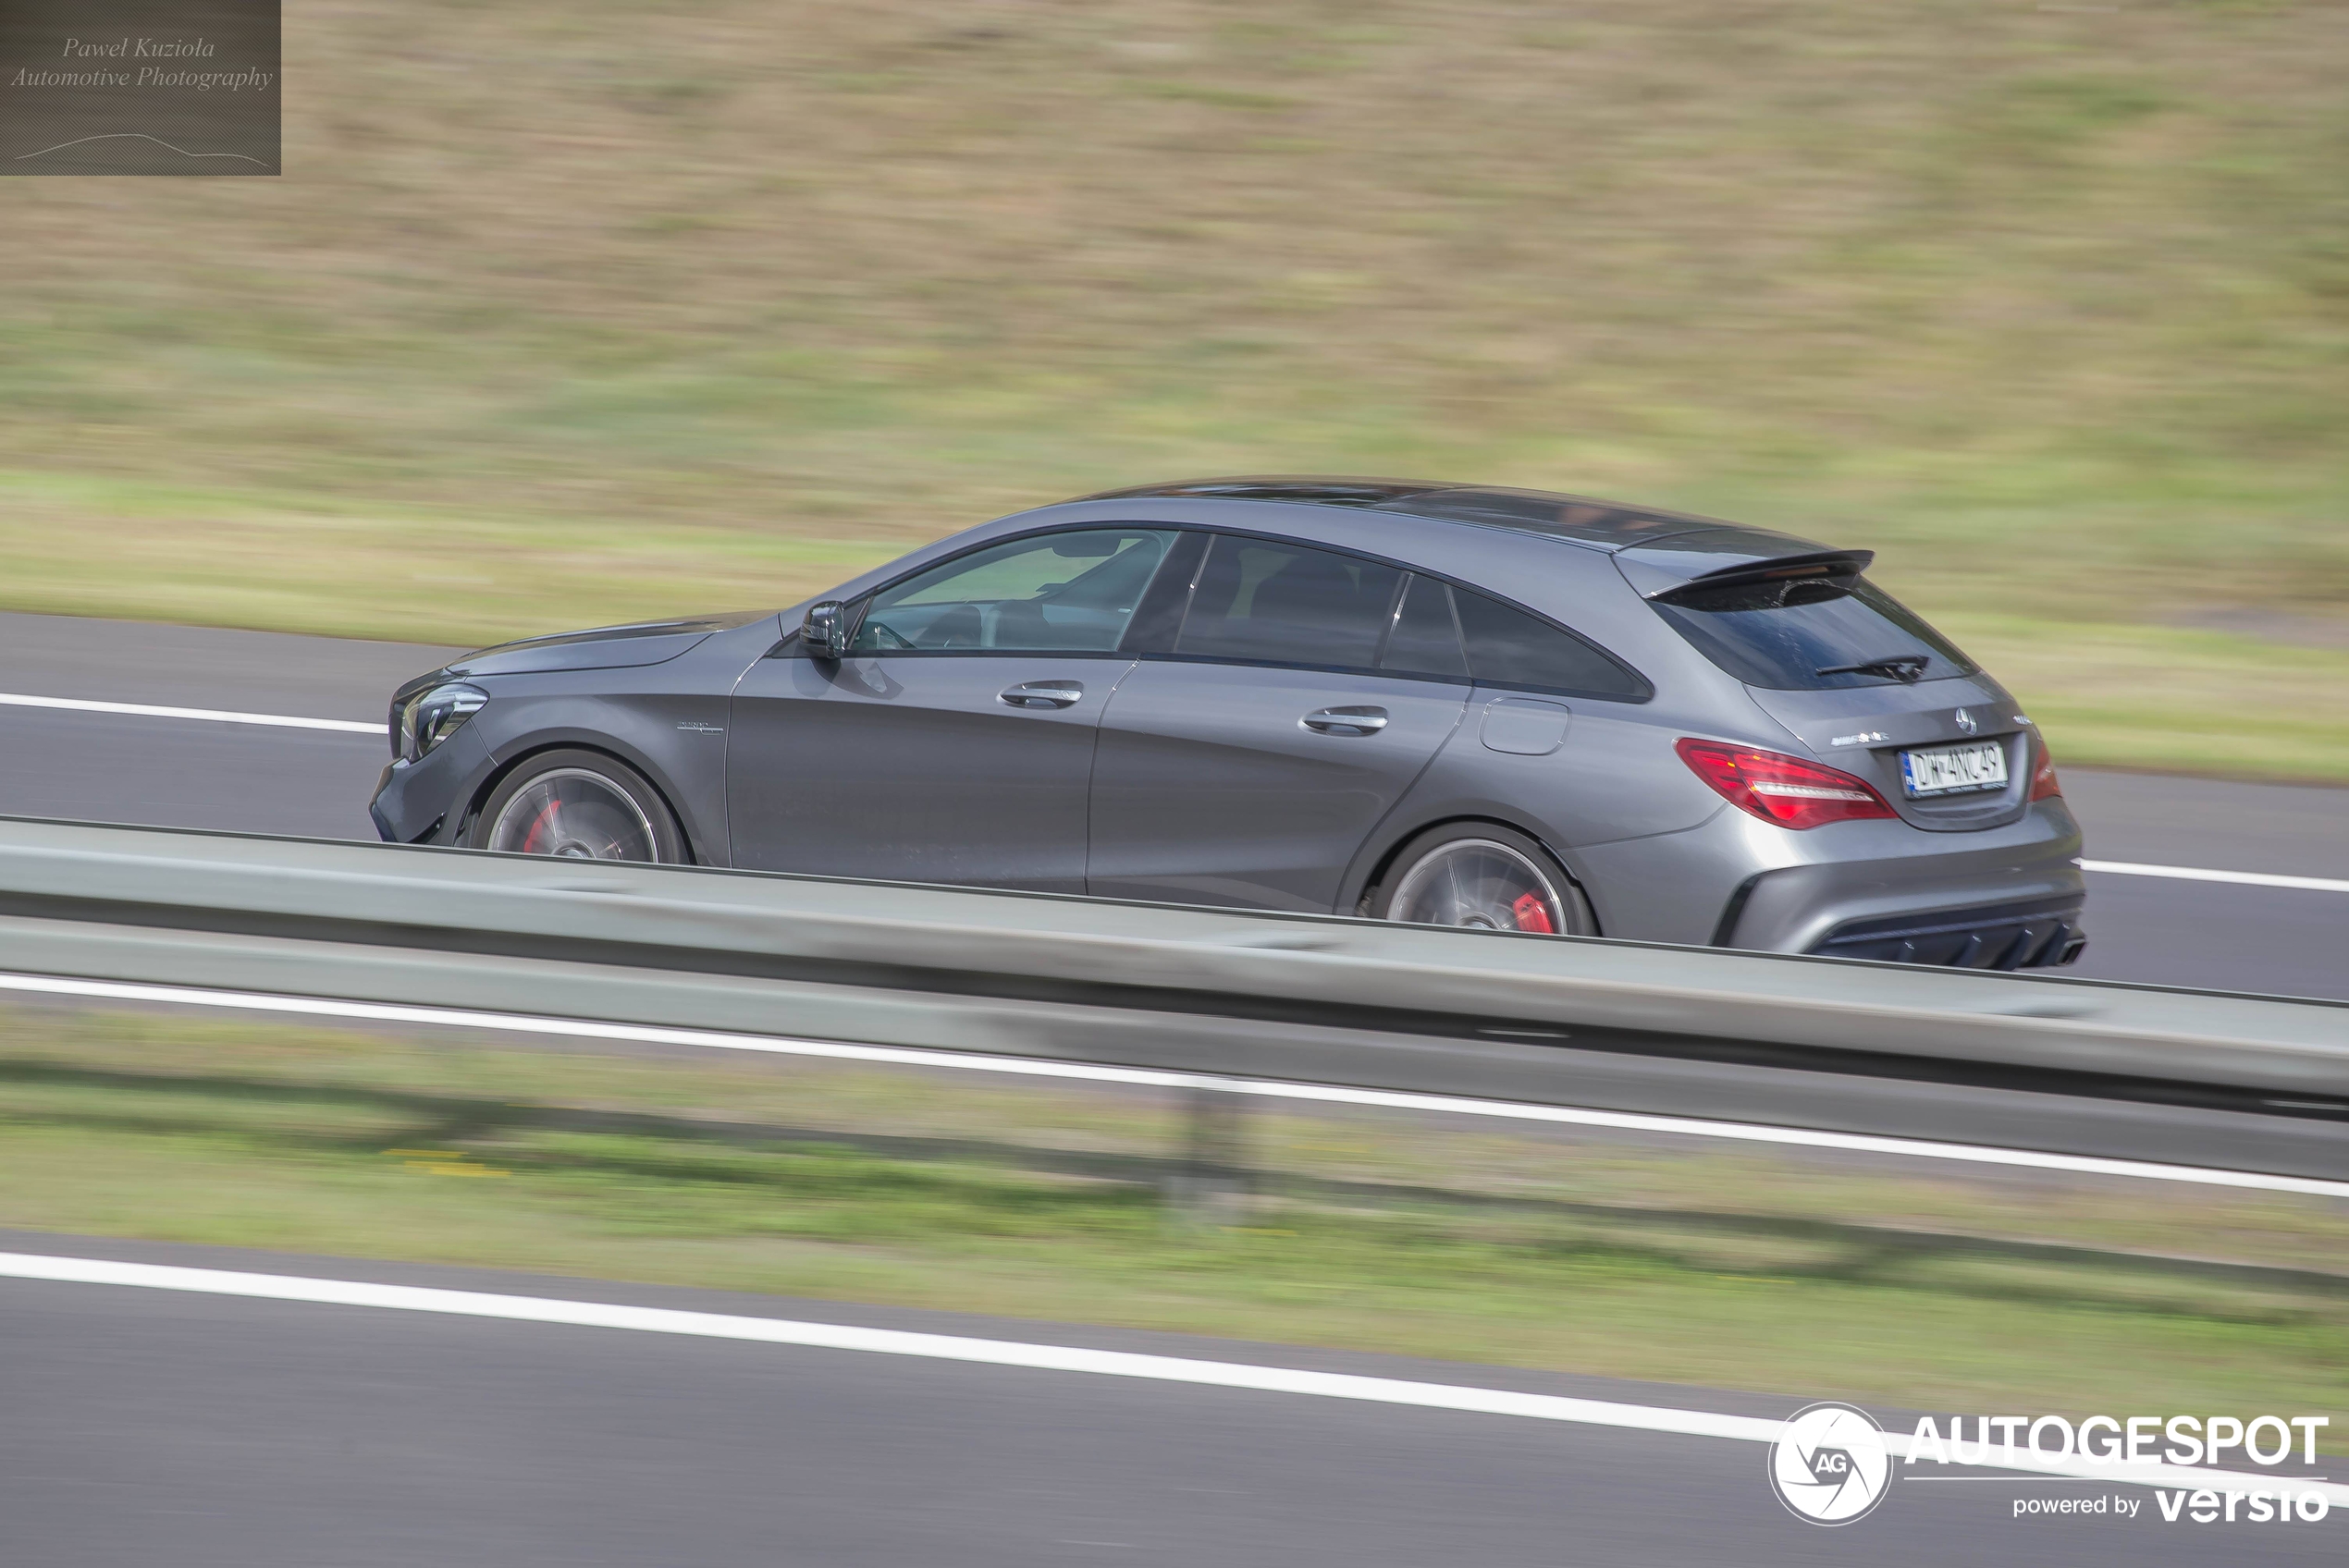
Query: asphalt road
[[198, 774], [148, 1426]]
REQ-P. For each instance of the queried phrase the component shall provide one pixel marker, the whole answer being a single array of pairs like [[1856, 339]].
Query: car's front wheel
[[1486, 878], [578, 805]]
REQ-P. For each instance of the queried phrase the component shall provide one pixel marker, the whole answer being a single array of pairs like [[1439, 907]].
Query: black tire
[[1482, 875], [578, 804]]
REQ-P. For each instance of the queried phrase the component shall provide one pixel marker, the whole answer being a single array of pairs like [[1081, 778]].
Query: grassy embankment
[[559, 317], [1740, 1269]]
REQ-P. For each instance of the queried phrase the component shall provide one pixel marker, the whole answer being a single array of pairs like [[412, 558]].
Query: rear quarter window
[[1508, 647], [1445, 631]]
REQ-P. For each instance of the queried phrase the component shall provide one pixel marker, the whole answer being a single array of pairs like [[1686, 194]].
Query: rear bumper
[[2036, 933], [2008, 897], [1858, 889]]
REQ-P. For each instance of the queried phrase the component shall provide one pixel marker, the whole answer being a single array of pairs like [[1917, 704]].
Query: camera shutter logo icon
[[1830, 1465]]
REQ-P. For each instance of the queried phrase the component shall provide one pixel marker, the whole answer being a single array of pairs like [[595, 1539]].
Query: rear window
[[1812, 636]]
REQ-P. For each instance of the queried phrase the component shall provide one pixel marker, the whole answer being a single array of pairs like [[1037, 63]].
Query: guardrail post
[[1210, 1187]]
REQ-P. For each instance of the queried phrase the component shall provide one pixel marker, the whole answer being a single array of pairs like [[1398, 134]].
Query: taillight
[[2044, 782], [1779, 788]]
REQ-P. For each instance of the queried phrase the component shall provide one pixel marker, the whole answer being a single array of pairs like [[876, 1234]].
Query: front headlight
[[431, 717]]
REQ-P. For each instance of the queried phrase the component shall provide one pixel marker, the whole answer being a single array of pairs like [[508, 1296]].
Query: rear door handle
[[1346, 721], [1041, 695]]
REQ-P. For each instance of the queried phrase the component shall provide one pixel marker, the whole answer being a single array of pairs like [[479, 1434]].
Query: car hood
[[605, 647]]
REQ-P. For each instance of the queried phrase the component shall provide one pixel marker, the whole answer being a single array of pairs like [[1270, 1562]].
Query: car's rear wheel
[[578, 805], [1486, 878]]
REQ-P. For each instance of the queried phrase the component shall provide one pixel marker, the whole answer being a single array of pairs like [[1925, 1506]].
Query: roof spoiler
[[1836, 567]]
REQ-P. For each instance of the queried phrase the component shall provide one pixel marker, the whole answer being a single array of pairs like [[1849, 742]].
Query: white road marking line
[[1034, 1357], [216, 716], [1262, 1088], [885, 1341], [2193, 874]]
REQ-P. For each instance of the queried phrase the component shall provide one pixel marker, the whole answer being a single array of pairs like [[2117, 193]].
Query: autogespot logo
[[1830, 1463]]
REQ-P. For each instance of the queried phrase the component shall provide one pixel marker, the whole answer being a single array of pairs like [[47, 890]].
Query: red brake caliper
[[546, 819], [1533, 915]]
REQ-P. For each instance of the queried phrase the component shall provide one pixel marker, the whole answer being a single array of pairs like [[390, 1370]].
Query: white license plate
[[1954, 770]]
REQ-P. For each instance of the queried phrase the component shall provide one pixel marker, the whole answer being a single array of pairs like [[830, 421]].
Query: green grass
[[1416, 1237], [2193, 702], [559, 319]]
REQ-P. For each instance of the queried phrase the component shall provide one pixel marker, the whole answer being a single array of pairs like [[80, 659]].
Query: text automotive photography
[[140, 87]]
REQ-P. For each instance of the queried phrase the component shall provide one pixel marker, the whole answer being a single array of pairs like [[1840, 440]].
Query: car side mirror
[[825, 632]]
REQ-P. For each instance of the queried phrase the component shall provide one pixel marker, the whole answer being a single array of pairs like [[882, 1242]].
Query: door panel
[[1209, 786], [917, 768]]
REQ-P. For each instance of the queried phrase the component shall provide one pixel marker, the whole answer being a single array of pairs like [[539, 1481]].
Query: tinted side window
[[1156, 624], [1426, 639], [1508, 647], [1289, 603], [1053, 592]]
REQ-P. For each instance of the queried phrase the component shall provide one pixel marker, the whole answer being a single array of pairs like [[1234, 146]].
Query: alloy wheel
[[576, 814], [1479, 884]]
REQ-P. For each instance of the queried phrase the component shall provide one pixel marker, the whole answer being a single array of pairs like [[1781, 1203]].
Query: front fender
[[678, 744]]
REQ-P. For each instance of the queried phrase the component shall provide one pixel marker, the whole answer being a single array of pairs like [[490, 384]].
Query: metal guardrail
[[1322, 999]]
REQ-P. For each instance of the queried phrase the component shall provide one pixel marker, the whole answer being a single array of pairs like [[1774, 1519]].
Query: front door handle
[[1346, 721], [1041, 695]]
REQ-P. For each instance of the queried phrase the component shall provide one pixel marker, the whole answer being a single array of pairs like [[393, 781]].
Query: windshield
[[1812, 636]]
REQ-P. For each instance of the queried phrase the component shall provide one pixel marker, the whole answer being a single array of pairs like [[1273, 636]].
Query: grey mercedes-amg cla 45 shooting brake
[[1462, 706]]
